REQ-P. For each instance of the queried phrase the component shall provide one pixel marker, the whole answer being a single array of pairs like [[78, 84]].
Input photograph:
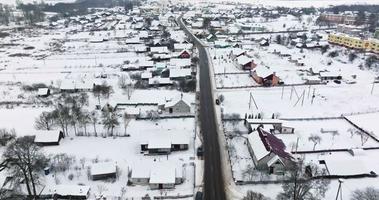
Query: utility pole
[[309, 91], [302, 101], [313, 95], [372, 88], [339, 191]]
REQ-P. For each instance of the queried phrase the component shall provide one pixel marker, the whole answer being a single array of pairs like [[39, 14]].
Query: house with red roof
[[268, 152]]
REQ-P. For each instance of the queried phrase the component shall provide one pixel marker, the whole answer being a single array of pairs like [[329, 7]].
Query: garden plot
[[222, 63], [325, 135], [366, 122], [234, 80], [330, 101], [240, 158]]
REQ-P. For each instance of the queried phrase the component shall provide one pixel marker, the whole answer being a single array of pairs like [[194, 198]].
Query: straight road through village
[[214, 188]]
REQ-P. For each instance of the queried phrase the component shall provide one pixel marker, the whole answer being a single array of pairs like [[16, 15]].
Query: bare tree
[[300, 186], [109, 119], [76, 115], [250, 195], [26, 160], [368, 193], [94, 119], [126, 117], [153, 115], [102, 90], [250, 172], [84, 120], [45, 121], [61, 116], [122, 81], [316, 139]]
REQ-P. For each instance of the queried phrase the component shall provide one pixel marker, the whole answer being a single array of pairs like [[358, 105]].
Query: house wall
[[159, 151], [178, 147], [179, 180], [103, 176], [164, 186], [140, 181], [180, 107]]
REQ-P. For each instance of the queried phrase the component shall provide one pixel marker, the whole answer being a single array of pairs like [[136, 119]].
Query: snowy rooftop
[[164, 139], [103, 168], [353, 166], [66, 190], [178, 73], [42, 91], [257, 145], [180, 62], [243, 60], [162, 174], [46, 136]]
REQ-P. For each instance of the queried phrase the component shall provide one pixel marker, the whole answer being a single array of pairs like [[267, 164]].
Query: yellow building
[[371, 45]]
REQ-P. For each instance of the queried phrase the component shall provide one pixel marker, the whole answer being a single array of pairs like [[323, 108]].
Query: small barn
[[162, 177], [184, 54], [43, 92], [165, 143], [245, 62], [140, 175], [66, 192], [48, 137], [104, 170], [176, 106]]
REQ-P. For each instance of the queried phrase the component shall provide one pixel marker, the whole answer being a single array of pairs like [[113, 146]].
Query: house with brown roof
[[265, 77], [268, 152]]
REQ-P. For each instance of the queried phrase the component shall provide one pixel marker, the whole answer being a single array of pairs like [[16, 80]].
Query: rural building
[[276, 126], [159, 81], [47, 138], [245, 62], [165, 143], [104, 170], [182, 46], [176, 106], [180, 74], [159, 50], [66, 192], [180, 62], [237, 52], [326, 76], [76, 86], [157, 175], [265, 77], [338, 18], [184, 54], [268, 152], [43, 92]]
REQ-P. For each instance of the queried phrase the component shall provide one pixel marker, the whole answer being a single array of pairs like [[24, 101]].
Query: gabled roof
[[273, 144], [243, 60], [163, 174], [46, 136], [103, 168], [66, 190]]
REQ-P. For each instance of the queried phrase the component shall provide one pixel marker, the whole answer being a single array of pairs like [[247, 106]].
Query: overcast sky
[[287, 3]]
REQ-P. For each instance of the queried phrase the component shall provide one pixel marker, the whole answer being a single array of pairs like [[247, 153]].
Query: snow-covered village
[[192, 100]]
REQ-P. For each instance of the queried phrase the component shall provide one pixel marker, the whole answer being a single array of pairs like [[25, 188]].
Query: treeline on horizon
[[372, 8], [78, 7]]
